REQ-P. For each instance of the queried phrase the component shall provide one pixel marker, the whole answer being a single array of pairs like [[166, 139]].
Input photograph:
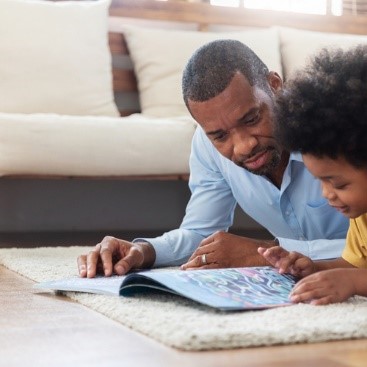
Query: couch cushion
[[50, 144], [297, 46], [159, 57], [55, 57]]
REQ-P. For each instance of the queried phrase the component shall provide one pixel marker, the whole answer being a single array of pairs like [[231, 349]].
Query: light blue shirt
[[296, 214]]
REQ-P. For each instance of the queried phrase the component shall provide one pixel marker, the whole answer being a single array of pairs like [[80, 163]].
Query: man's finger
[[191, 264], [204, 248], [192, 257], [201, 261], [133, 259], [92, 262], [106, 259], [125, 265], [82, 265], [209, 241]]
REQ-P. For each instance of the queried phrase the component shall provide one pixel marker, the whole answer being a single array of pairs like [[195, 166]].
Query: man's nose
[[243, 144]]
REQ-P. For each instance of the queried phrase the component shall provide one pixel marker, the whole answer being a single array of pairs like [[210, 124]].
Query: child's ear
[[275, 81]]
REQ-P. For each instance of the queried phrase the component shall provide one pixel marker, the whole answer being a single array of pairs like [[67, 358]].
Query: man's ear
[[275, 81]]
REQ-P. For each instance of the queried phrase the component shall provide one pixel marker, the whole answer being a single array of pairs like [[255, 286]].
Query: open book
[[225, 289]]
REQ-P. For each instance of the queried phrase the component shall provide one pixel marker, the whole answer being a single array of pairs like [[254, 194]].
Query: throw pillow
[[297, 46], [159, 58], [55, 57]]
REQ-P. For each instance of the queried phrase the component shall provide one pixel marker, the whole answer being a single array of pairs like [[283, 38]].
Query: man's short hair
[[212, 67], [323, 109]]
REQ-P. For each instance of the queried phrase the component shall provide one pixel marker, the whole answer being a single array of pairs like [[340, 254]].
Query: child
[[322, 114]]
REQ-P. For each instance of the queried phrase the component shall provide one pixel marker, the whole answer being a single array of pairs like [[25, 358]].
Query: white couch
[[58, 116]]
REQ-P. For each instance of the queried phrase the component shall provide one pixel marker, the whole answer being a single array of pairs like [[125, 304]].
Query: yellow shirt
[[355, 251]]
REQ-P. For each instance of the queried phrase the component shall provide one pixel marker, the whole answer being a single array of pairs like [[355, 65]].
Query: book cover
[[229, 289]]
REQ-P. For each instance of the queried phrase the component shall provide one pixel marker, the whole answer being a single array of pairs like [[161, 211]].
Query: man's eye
[[253, 119], [220, 137]]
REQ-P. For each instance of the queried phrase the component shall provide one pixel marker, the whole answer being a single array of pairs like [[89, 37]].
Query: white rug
[[185, 325]]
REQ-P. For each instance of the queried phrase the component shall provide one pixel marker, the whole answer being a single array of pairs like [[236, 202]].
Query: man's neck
[[276, 177]]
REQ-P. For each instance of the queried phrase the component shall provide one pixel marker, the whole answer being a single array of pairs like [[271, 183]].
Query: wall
[[96, 205]]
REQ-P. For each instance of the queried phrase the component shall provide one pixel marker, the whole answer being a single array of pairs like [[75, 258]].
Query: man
[[230, 92]]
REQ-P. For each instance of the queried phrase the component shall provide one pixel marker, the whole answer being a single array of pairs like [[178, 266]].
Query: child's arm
[[330, 286]]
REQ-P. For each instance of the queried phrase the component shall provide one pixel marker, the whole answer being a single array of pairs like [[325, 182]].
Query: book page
[[98, 285], [226, 289]]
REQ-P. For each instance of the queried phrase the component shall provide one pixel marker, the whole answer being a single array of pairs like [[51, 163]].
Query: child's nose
[[328, 192]]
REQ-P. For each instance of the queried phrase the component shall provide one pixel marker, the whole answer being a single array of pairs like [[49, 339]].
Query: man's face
[[239, 123], [343, 185]]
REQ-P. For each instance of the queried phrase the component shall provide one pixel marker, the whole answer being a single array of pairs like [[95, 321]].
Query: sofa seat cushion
[[51, 144]]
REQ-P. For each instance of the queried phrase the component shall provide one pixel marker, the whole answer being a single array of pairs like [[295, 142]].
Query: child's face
[[343, 185]]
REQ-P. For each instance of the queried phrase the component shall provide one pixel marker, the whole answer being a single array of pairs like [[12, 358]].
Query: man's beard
[[269, 167]]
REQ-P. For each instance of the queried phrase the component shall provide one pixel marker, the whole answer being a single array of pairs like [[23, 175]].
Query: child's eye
[[340, 186]]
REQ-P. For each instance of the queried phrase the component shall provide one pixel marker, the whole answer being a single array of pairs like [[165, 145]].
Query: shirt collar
[[295, 156]]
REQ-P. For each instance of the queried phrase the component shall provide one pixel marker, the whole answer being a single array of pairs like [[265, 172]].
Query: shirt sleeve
[[210, 208], [355, 251], [320, 249]]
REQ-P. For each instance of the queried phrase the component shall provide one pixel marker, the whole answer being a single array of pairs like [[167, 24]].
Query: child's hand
[[288, 262], [324, 287]]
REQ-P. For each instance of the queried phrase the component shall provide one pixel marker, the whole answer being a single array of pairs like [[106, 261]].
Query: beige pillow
[[55, 57], [159, 57], [297, 46]]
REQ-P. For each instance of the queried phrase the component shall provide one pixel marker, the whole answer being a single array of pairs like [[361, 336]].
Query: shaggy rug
[[186, 325]]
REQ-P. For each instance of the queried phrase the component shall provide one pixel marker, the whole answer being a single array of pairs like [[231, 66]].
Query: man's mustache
[[257, 151]]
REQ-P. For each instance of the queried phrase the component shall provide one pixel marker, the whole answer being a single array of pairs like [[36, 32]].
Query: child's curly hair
[[323, 110]]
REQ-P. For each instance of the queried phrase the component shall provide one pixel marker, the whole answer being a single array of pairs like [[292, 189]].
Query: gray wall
[[95, 205]]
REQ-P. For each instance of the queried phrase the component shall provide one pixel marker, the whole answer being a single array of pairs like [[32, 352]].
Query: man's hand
[[288, 262], [225, 250], [113, 255], [328, 286]]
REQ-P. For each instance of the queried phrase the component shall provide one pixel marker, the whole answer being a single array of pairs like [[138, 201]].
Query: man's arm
[[316, 249], [210, 209]]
